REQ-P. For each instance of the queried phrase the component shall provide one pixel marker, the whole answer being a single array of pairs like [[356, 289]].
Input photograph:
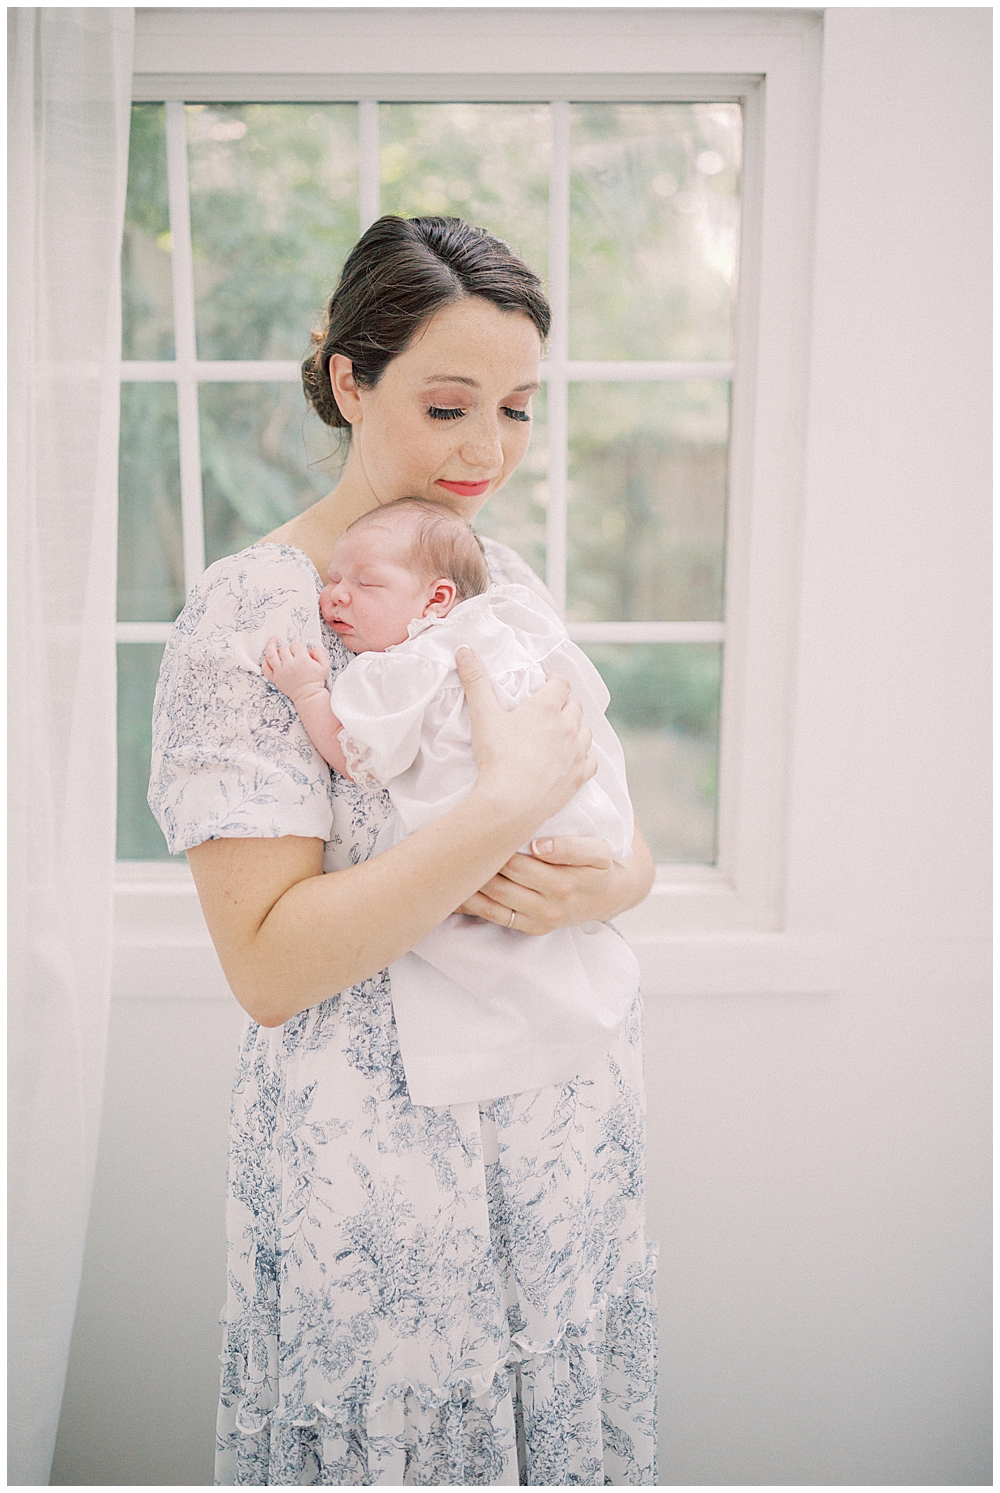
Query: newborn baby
[[481, 1011]]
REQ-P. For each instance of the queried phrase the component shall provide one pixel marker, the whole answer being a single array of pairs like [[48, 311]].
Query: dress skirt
[[432, 1296]]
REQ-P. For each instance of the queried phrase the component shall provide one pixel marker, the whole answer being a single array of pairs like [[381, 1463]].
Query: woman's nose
[[483, 448]]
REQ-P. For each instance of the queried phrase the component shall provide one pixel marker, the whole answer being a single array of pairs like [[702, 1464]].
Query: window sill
[[163, 951]]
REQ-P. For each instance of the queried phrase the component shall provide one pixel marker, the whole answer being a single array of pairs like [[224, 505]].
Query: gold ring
[[513, 915]]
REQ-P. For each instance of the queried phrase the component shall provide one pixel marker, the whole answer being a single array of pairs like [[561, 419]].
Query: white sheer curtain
[[69, 90]]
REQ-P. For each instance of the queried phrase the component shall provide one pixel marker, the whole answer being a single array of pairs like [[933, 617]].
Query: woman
[[429, 1296]]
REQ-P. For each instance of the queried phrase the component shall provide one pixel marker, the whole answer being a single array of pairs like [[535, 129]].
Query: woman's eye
[[437, 413], [515, 414]]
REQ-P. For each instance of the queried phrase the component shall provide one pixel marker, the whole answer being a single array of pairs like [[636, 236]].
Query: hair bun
[[395, 278], [318, 388]]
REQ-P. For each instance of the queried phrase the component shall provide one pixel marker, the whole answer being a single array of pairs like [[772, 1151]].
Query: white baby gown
[[484, 1011]]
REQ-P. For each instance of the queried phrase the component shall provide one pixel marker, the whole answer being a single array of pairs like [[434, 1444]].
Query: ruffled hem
[[521, 1352], [358, 761], [316, 1414]]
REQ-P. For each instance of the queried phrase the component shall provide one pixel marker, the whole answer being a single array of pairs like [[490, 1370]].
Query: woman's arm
[[568, 881], [289, 936]]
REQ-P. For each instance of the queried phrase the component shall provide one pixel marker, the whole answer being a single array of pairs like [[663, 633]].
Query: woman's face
[[450, 418]]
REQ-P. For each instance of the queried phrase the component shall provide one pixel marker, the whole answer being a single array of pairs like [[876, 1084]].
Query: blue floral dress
[[416, 1296]]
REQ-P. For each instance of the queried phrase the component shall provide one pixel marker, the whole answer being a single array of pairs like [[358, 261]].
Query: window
[[239, 217], [660, 492]]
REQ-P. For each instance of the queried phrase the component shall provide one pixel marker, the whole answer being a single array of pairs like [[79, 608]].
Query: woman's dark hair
[[396, 277]]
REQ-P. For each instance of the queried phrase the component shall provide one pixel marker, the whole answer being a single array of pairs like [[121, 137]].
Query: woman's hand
[[531, 759], [567, 881], [535, 758]]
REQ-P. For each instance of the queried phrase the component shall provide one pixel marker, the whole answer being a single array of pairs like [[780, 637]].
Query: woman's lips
[[465, 489]]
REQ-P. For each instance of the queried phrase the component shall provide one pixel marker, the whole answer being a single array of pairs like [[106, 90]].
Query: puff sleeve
[[230, 756], [382, 701]]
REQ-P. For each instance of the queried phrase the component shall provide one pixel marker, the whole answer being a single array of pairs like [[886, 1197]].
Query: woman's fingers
[[566, 850], [547, 890], [535, 756], [558, 687], [477, 684], [480, 905]]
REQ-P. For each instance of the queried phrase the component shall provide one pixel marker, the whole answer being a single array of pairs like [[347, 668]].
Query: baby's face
[[371, 594]]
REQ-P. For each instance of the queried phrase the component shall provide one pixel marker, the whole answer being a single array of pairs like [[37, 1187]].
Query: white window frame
[[722, 928]]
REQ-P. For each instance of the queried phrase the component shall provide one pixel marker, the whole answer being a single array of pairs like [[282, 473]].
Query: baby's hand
[[294, 667]]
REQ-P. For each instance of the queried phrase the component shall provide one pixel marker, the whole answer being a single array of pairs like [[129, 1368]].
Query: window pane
[[487, 163], [150, 544], [264, 458], [516, 514], [147, 302], [665, 708], [654, 224], [139, 837], [274, 211], [647, 501]]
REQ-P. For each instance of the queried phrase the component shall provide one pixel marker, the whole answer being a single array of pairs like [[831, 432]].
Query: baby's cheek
[[326, 607]]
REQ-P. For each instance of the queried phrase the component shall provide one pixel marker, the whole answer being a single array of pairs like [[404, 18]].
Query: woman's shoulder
[[507, 567], [230, 757], [247, 592]]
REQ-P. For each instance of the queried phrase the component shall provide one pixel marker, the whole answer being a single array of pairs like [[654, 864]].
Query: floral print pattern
[[416, 1295]]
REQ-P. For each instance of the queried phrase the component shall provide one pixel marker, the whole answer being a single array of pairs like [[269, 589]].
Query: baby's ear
[[443, 595]]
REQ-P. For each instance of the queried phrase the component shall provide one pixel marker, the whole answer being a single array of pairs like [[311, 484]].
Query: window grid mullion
[[557, 397], [369, 195], [286, 370], [182, 272], [646, 632]]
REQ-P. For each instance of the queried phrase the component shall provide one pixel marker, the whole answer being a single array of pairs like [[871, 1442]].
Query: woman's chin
[[462, 507]]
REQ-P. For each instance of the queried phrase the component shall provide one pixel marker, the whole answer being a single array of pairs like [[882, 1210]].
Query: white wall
[[818, 1164]]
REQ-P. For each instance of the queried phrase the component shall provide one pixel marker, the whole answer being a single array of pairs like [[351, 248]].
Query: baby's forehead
[[381, 539]]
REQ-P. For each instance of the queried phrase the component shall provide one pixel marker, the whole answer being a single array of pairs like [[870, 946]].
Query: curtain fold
[[69, 94]]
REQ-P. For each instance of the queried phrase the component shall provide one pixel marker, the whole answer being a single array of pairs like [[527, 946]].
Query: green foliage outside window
[[487, 163], [147, 301], [274, 211], [653, 240]]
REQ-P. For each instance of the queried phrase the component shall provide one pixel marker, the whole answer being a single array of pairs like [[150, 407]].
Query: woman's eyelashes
[[439, 412]]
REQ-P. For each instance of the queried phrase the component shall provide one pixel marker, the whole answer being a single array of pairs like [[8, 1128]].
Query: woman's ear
[[345, 390], [442, 597]]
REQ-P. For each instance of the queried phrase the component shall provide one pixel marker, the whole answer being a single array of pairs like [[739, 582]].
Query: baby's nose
[[330, 598]]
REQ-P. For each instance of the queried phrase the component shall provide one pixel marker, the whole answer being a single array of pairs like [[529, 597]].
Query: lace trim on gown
[[358, 760]]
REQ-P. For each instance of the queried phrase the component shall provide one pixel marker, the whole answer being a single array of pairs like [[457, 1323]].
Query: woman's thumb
[[476, 682]]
